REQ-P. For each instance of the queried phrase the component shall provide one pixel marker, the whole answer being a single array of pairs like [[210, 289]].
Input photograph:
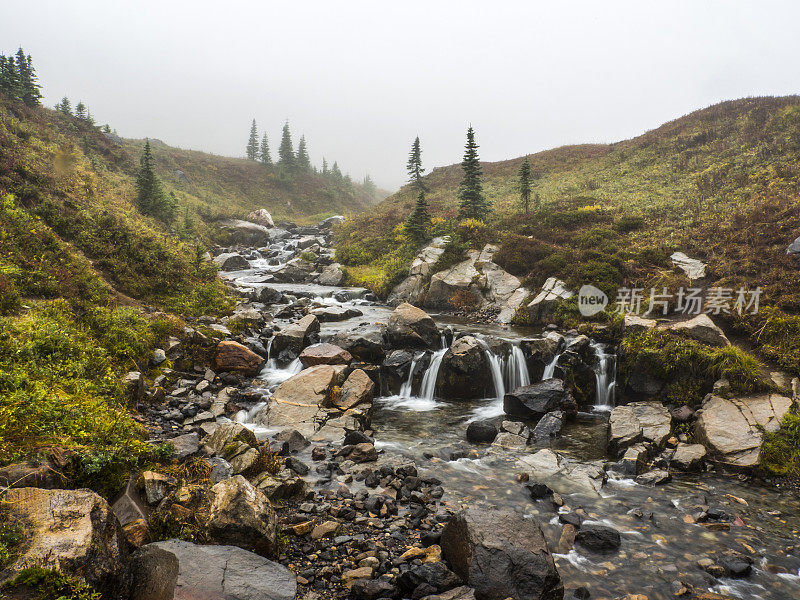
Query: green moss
[[11, 535], [53, 585], [780, 453]]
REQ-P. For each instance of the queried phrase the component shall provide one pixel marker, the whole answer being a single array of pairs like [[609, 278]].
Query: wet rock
[[296, 270], [357, 389], [290, 441], [638, 421], [463, 277], [207, 572], [730, 428], [536, 400], [501, 554], [654, 477], [220, 469], [74, 531], [297, 465], [283, 486], [411, 327], [634, 461], [332, 314], [185, 445], [481, 432], [364, 343], [268, 295], [297, 336], [359, 453], [331, 275], [548, 427], [242, 516], [688, 457], [562, 474], [325, 354], [464, 372], [228, 435], [552, 293], [261, 217], [233, 356], [154, 574], [598, 538], [245, 233], [231, 261], [373, 589], [433, 578]]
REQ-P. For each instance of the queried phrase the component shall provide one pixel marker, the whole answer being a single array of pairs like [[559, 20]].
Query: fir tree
[[336, 173], [414, 167], [80, 111], [150, 196], [9, 78], [325, 170], [252, 142], [264, 154], [65, 106], [30, 90], [525, 185], [472, 203], [106, 128], [369, 186], [286, 156], [303, 160]]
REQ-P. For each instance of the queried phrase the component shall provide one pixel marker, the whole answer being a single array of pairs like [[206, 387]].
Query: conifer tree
[[9, 78], [418, 221], [414, 167], [286, 156], [336, 173], [80, 110], [29, 88], [369, 186], [325, 170], [264, 154], [65, 106], [525, 185], [150, 196], [472, 203], [303, 160], [252, 142]]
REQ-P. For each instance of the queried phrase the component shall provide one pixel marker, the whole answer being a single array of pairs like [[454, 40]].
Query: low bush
[[780, 453], [53, 585]]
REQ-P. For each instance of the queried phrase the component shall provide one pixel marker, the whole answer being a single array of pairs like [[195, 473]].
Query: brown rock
[[357, 389], [137, 533], [242, 516], [410, 326], [233, 356], [325, 354]]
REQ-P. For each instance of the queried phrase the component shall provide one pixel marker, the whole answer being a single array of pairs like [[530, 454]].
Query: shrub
[[780, 453], [628, 223], [53, 585], [474, 232], [464, 300], [9, 297], [519, 254]]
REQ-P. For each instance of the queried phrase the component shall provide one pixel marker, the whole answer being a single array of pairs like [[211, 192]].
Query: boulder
[[636, 422], [298, 401], [268, 295], [694, 268], [43, 474], [411, 327], [463, 277], [465, 372], [233, 356], [501, 554], [481, 432], [133, 383], [296, 270], [598, 538], [730, 428], [154, 574], [324, 354], [242, 516], [297, 336], [185, 445], [702, 329], [332, 314], [562, 474], [794, 247], [688, 457], [364, 343], [245, 233], [331, 275], [331, 221], [358, 388], [74, 531], [536, 400], [227, 572], [552, 293], [636, 324], [231, 261], [261, 217], [412, 289], [548, 427], [227, 435]]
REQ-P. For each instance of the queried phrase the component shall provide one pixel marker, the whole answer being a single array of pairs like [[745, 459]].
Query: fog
[[362, 78]]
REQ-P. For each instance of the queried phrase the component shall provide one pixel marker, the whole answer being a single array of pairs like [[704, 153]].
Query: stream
[[660, 545]]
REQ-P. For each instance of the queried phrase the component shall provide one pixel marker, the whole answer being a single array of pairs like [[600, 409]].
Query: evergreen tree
[[325, 170], [414, 167], [106, 128], [303, 160], [264, 151], [150, 196], [369, 186], [286, 156], [65, 106], [80, 111], [336, 174], [9, 78], [252, 142], [29, 89], [472, 203], [89, 118], [525, 185]]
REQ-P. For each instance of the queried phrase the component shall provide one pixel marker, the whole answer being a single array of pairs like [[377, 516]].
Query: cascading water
[[550, 369], [428, 386], [496, 367], [516, 371], [605, 377], [405, 389]]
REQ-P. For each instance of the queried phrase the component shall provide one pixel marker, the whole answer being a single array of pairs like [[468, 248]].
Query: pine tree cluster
[[18, 78], [81, 112]]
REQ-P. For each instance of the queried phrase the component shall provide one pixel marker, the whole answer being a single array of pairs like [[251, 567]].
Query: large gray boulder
[[694, 268], [501, 555], [364, 343], [227, 573], [154, 574], [412, 289], [74, 531], [297, 336], [331, 275], [261, 217], [463, 277], [231, 261], [412, 327], [562, 474], [794, 247], [730, 428], [536, 400], [465, 373], [296, 270], [245, 233], [552, 293], [638, 422], [702, 329], [242, 516]]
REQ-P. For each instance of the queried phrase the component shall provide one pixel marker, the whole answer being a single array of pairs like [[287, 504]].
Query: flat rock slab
[[227, 573], [694, 268], [636, 422]]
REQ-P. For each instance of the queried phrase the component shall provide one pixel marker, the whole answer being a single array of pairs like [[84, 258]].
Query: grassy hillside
[[217, 186], [720, 184]]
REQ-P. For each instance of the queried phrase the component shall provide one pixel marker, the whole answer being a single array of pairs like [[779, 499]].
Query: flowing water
[[659, 545]]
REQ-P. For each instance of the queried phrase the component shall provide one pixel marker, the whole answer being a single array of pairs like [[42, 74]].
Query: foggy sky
[[361, 78]]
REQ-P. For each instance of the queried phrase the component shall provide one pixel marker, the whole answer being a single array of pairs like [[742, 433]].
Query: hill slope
[[720, 184]]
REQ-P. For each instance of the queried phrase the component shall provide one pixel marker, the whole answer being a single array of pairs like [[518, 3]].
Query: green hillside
[[720, 184]]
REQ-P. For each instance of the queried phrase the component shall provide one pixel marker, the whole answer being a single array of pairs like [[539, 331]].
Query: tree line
[[472, 202], [18, 78], [291, 162]]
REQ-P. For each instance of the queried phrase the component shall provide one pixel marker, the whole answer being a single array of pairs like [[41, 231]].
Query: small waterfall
[[405, 389], [550, 369], [496, 366], [272, 364], [428, 386], [516, 371], [605, 377]]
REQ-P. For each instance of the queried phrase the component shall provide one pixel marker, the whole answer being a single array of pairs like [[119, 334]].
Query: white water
[[405, 389], [428, 386], [550, 369], [516, 369], [272, 375], [496, 366], [605, 376]]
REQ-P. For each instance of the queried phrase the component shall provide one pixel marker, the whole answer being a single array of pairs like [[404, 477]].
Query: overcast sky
[[361, 78]]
